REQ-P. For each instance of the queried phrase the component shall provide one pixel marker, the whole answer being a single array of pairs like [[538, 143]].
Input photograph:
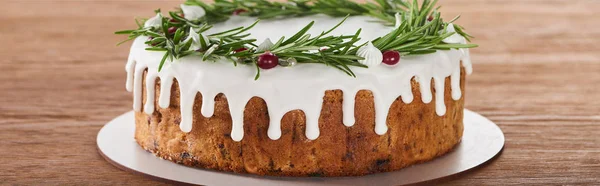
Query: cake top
[[301, 49], [412, 29]]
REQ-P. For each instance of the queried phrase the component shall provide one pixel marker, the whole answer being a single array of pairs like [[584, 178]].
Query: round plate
[[482, 140]]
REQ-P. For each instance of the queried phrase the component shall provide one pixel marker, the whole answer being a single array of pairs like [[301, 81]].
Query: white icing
[[264, 46], [454, 38], [191, 12], [155, 21], [196, 41], [286, 89], [372, 55], [398, 20]]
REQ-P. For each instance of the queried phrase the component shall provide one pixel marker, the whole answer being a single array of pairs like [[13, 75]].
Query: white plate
[[482, 140]]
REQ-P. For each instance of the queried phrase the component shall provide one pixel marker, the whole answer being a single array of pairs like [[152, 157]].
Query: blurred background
[[537, 75]]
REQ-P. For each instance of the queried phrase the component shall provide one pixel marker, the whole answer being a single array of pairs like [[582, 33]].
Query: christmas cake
[[315, 88]]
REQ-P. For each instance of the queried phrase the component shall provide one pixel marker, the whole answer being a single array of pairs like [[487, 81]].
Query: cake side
[[416, 134]]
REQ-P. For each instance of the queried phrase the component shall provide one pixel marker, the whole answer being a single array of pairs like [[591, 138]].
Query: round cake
[[332, 96]]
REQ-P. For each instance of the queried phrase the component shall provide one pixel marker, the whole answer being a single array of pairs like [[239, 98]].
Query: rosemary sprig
[[176, 45], [331, 50], [422, 31]]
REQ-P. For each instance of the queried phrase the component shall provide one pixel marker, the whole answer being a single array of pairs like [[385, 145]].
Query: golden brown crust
[[416, 134]]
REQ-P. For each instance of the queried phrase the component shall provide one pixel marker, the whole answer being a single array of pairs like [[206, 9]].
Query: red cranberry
[[150, 39], [239, 11], [172, 30], [391, 57], [268, 60], [240, 49]]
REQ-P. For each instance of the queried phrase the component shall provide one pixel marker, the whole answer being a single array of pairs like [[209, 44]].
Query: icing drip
[[150, 80], [164, 100], [129, 68], [299, 88], [137, 82]]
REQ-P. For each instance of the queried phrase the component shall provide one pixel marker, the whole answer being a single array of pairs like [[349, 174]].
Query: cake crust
[[416, 134]]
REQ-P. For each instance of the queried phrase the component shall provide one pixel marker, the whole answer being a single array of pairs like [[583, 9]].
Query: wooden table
[[537, 75]]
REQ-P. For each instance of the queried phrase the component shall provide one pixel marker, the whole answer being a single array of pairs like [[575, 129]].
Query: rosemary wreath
[[419, 30]]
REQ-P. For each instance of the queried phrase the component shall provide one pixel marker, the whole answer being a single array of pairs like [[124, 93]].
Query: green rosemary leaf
[[352, 57], [257, 71], [240, 36], [304, 48], [386, 40], [154, 34], [276, 50], [249, 27], [278, 43], [226, 32], [203, 27], [455, 18], [299, 34], [237, 43], [187, 53], [178, 34], [350, 43], [383, 4], [341, 66], [177, 17], [170, 56], [421, 52], [187, 45], [125, 41], [209, 52], [330, 30], [156, 49], [140, 23], [460, 31], [274, 14], [203, 43], [232, 60], [303, 40], [162, 61], [124, 32]]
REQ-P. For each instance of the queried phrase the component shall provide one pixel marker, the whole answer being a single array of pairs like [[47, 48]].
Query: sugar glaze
[[300, 87]]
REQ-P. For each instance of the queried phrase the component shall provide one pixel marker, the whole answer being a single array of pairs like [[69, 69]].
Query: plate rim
[[179, 182]]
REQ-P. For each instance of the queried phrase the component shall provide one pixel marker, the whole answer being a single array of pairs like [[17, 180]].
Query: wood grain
[[537, 75]]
